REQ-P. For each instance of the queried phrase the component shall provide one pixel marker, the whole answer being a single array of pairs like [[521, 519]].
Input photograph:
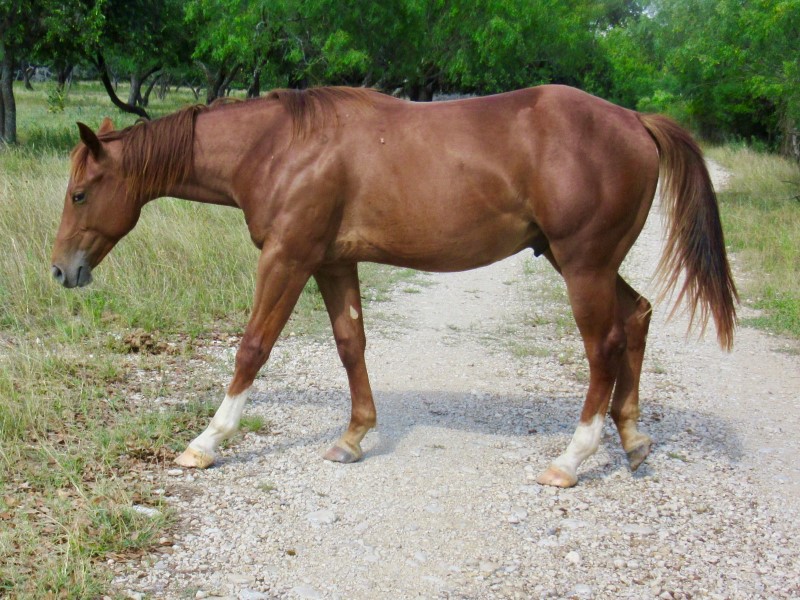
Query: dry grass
[[761, 216]]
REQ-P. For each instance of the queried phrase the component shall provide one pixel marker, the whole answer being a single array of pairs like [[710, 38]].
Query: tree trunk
[[27, 73], [63, 75], [148, 91], [137, 81], [254, 91], [103, 68], [214, 86], [163, 87], [9, 132], [135, 93]]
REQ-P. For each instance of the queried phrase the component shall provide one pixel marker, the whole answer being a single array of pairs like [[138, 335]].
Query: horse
[[330, 177]]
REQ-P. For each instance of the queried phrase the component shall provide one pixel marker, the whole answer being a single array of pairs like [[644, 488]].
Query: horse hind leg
[[634, 311], [593, 297], [340, 290]]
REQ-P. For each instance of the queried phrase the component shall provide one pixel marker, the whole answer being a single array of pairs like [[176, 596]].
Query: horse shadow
[[544, 423]]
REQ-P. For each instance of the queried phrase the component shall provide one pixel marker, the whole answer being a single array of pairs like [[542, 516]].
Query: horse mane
[[158, 154], [315, 107]]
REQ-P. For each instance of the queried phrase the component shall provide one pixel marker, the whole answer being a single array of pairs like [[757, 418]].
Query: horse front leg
[[340, 290], [279, 283]]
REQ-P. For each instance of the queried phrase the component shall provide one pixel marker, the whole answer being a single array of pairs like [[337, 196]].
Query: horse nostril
[[58, 274]]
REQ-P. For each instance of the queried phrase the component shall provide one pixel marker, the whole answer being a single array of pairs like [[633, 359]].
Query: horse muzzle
[[77, 275]]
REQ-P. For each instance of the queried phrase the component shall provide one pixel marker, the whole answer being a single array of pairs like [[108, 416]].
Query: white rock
[[248, 594], [517, 515], [322, 517], [147, 511], [582, 591], [573, 557], [638, 529], [306, 591]]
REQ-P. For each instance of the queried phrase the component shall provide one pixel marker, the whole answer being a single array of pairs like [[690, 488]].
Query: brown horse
[[331, 177]]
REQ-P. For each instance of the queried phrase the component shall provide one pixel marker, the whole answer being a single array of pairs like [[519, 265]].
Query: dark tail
[[695, 242]]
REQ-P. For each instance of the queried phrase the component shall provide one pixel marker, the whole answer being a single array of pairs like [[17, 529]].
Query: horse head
[[97, 209]]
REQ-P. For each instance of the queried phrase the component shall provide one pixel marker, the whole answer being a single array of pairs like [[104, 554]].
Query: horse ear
[[89, 138], [106, 126]]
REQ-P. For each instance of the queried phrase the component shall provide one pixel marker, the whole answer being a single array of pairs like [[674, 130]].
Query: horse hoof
[[639, 453], [557, 477], [195, 459], [343, 453]]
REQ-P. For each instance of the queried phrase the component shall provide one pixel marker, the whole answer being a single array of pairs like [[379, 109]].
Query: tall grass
[[760, 209], [73, 446]]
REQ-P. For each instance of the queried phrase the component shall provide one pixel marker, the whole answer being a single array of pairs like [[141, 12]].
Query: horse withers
[[330, 177]]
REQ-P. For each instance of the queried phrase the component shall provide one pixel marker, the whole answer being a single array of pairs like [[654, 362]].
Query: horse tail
[[695, 241]]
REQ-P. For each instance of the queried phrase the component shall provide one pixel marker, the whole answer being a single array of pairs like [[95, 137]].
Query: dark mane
[[315, 107]]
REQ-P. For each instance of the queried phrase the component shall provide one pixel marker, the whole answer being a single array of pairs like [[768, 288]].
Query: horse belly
[[429, 243]]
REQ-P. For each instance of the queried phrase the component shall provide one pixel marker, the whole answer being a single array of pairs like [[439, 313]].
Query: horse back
[[453, 185]]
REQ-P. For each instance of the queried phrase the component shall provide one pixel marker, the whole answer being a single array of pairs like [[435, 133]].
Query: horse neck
[[223, 139]]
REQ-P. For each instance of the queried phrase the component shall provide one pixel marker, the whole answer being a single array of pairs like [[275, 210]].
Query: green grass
[[761, 217], [77, 425]]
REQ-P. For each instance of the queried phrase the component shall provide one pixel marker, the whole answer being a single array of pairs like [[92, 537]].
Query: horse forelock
[[317, 107]]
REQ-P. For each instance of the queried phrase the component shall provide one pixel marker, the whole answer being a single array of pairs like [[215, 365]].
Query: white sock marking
[[224, 424], [584, 443]]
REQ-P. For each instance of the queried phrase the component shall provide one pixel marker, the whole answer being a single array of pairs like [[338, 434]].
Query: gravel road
[[479, 379]]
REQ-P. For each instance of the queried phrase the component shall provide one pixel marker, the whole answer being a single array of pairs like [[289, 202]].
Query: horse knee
[[251, 356]]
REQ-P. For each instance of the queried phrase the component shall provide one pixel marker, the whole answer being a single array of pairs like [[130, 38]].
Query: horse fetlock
[[221, 430]]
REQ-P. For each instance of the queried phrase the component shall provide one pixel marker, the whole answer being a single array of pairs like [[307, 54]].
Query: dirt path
[[477, 378]]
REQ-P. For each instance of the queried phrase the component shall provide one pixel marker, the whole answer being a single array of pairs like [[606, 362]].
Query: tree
[[16, 25]]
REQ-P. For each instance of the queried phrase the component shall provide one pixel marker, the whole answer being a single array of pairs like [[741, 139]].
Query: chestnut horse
[[330, 177]]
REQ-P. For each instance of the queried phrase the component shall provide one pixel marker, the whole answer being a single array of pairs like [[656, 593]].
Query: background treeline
[[729, 68]]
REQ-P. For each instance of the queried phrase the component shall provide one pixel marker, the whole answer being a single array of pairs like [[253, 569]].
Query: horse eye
[[78, 198]]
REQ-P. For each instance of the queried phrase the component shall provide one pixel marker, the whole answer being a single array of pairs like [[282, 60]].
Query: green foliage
[[56, 99], [728, 68]]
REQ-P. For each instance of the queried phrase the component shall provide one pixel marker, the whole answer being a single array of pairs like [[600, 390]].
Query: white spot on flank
[[353, 312]]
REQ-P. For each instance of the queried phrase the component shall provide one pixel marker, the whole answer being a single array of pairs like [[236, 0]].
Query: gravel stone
[[322, 517]]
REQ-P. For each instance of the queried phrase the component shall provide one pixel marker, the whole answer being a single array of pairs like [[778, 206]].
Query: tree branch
[[124, 106]]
